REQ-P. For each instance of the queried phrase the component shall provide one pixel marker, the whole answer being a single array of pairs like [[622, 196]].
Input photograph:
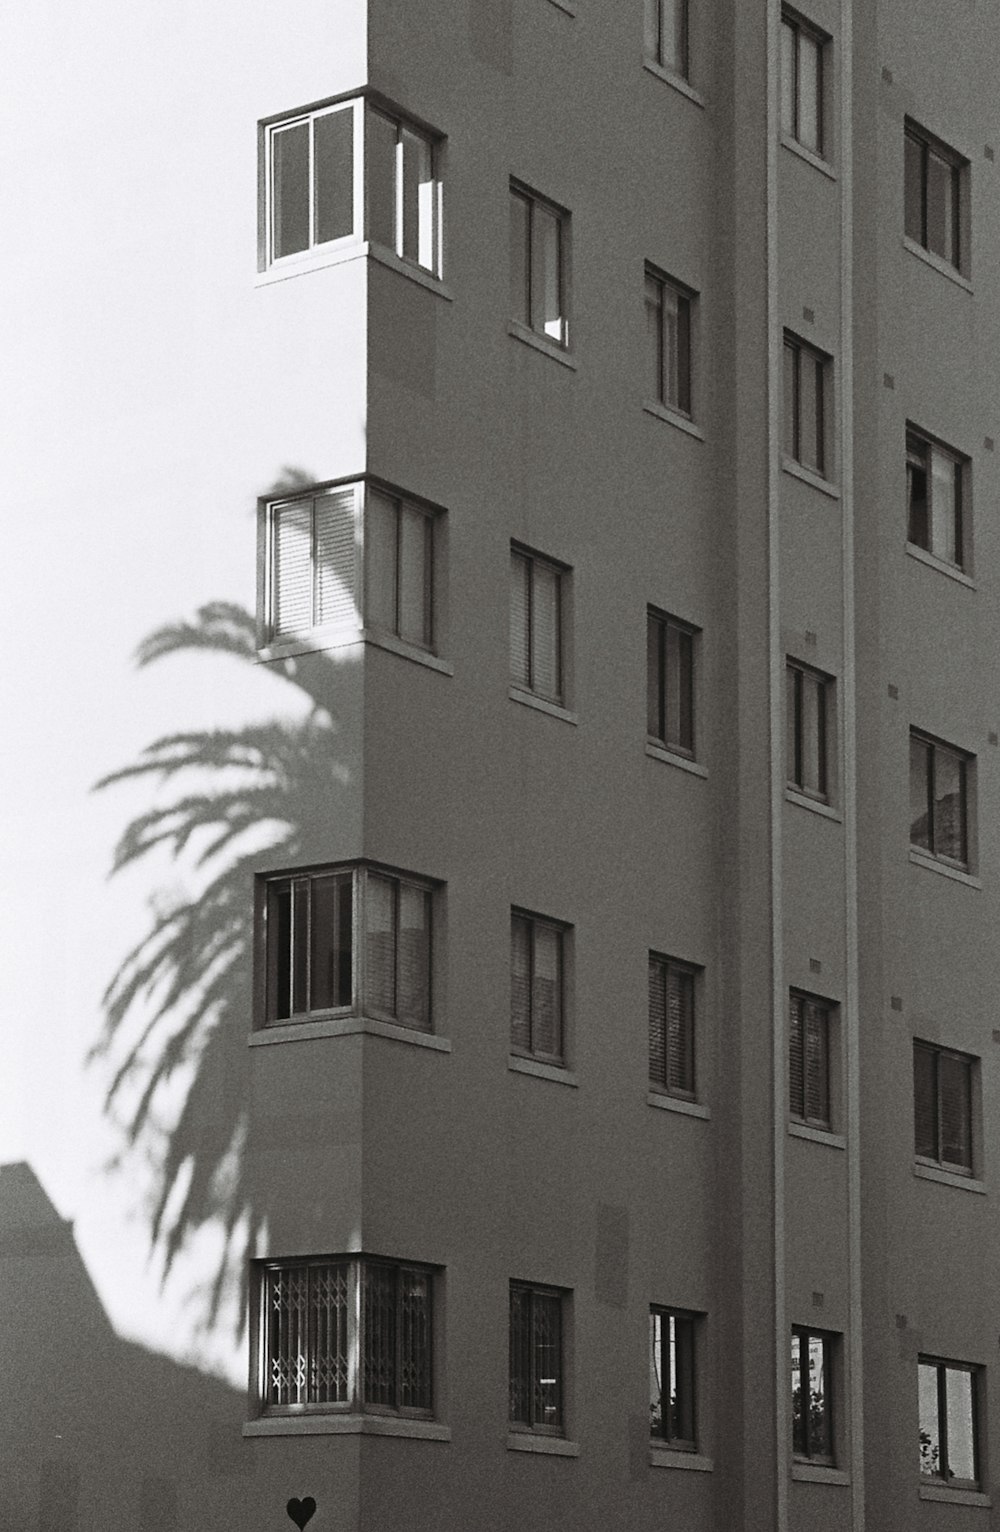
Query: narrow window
[[536, 987], [666, 35], [670, 682], [812, 1396], [806, 729], [536, 661], [668, 341], [934, 179], [942, 1107], [934, 482], [949, 1426], [671, 1026], [399, 562], [538, 263], [802, 59], [806, 373], [809, 1060], [672, 1378], [939, 800], [536, 1361]]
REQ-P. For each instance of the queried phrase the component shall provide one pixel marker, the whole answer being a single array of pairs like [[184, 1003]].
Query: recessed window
[[935, 477], [344, 1335], [347, 941], [933, 188], [942, 1107], [672, 1378], [949, 1426], [666, 35], [536, 987], [668, 341], [812, 1396], [809, 1060], [802, 58], [806, 407], [807, 709], [337, 559], [536, 650], [671, 1026], [536, 1359], [670, 682], [539, 239], [939, 792], [350, 171]]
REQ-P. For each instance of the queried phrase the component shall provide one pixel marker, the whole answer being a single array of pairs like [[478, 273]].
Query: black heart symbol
[[301, 1511]]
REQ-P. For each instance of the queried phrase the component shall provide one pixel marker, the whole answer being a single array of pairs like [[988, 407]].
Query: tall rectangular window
[[399, 565], [672, 1378], [807, 706], [934, 179], [347, 940], [934, 482], [809, 1059], [949, 1425], [539, 236], [666, 35], [802, 59], [806, 384], [536, 1359], [812, 1396], [942, 1107], [536, 987], [670, 648], [671, 1026], [346, 1334], [536, 659], [939, 789], [668, 341]]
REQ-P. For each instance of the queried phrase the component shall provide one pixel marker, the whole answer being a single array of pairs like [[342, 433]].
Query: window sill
[[346, 1026], [678, 81], [921, 859], [817, 1135], [406, 651], [556, 1072], [809, 476], [347, 1425], [674, 418], [937, 263], [563, 5], [552, 1446], [316, 641], [670, 1457], [667, 1103], [948, 1178], [541, 705], [657, 753], [414, 273], [351, 250], [954, 1496], [951, 570], [820, 1473], [811, 158], [814, 805], [543, 344]]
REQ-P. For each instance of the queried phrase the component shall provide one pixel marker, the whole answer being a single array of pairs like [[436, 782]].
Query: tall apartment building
[[616, 388]]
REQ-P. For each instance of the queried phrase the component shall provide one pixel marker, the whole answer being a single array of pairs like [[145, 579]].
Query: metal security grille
[[536, 1358], [308, 1354]]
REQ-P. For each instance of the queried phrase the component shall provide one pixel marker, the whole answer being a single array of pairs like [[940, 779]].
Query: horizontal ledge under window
[[541, 704], [674, 418], [937, 263], [550, 1446], [346, 1026], [316, 262], [669, 1457], [816, 805], [817, 1135], [677, 81], [671, 758], [386, 257], [347, 1425], [819, 1473], [659, 1098], [934, 864], [541, 343], [951, 570], [953, 1496], [815, 160], [948, 1178], [564, 6], [525, 1066], [796, 471], [407, 651]]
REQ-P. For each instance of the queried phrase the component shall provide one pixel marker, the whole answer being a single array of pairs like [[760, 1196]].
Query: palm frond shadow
[[179, 1004]]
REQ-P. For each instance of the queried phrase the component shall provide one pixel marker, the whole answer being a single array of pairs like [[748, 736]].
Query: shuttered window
[[671, 1026], [536, 987], [345, 1334], [536, 624], [809, 1060], [942, 1107], [670, 682], [672, 1378], [314, 563], [536, 1376]]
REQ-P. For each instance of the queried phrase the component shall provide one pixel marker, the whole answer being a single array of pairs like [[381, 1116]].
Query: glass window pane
[[547, 1347], [520, 982], [381, 520], [788, 79], [656, 1422], [330, 978], [954, 1100], [520, 609], [300, 946], [380, 178], [930, 1430], [944, 503], [545, 661], [671, 346], [289, 189], [546, 992], [413, 1002], [680, 1031], [920, 765], [279, 951], [960, 1433], [810, 411], [949, 805], [520, 1356], [378, 1328], [654, 678], [673, 35], [654, 339], [651, 30], [913, 189], [685, 731], [417, 235], [799, 1399], [790, 404], [333, 174], [820, 1440], [941, 208], [657, 1021], [414, 1382], [380, 944], [817, 1063], [810, 56], [918, 508], [520, 234], [813, 764], [793, 724], [683, 362], [546, 273], [682, 1378], [414, 576], [925, 1102]]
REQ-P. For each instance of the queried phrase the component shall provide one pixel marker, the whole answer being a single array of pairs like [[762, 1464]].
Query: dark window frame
[[799, 28], [810, 1055], [797, 676], [527, 313], [686, 299], [526, 1383], [663, 633], [920, 451], [676, 1424], [922, 151], [530, 683], [936, 1110], [818, 1419], [806, 441], [530, 1048], [943, 1473], [934, 749], [678, 1076], [655, 33]]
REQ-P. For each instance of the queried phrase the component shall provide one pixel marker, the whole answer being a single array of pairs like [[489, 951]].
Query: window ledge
[[316, 641], [674, 418], [954, 1496], [937, 263], [394, 645], [817, 1135], [921, 859], [951, 570], [669, 77], [350, 250], [667, 1103], [820, 1473], [346, 1026], [556, 1072], [347, 1425], [811, 158], [815, 805], [543, 344], [563, 5], [418, 274], [948, 1178], [657, 753], [541, 704], [808, 476], [670, 1457], [552, 1446]]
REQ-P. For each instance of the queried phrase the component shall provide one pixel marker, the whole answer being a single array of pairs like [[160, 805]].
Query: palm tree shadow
[[180, 1003]]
